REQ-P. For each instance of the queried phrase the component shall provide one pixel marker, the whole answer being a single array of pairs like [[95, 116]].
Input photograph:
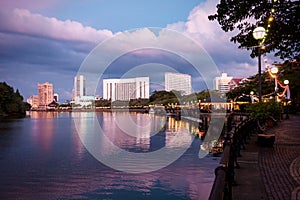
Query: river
[[51, 155]]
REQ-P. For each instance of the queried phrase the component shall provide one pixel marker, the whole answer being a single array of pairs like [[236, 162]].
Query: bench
[[265, 140]]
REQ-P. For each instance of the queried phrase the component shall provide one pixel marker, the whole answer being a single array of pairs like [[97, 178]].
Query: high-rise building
[[55, 97], [33, 101], [126, 89], [79, 86], [222, 83], [45, 94], [178, 82]]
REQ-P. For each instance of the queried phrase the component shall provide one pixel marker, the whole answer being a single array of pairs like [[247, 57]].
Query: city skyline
[[47, 42], [172, 81]]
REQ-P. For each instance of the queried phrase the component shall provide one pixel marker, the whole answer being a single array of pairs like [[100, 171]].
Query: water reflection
[[111, 144], [47, 115], [43, 130], [44, 158]]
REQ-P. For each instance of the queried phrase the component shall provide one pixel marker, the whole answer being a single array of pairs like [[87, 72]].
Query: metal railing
[[225, 172]]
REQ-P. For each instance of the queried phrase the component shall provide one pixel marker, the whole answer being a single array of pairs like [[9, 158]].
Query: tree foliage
[[245, 16], [286, 72], [176, 97], [11, 103], [264, 110], [164, 97]]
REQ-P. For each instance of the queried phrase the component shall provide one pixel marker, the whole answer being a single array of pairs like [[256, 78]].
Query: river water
[[51, 155]]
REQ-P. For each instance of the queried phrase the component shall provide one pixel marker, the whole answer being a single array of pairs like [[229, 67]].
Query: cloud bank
[[43, 49], [227, 56], [49, 49], [22, 21]]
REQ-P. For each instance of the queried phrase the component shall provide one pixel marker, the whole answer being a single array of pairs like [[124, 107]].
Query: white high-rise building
[[222, 83], [126, 89], [79, 86], [178, 82], [55, 97]]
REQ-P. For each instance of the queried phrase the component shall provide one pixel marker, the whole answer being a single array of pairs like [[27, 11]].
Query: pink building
[[45, 95]]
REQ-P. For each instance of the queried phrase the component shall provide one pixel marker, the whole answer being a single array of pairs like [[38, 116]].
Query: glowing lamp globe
[[259, 33], [286, 82], [274, 70]]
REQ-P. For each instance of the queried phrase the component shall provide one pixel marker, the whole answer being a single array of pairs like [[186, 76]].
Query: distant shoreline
[[143, 110]]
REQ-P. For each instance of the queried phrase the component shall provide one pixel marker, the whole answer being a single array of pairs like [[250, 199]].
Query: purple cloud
[[22, 21]]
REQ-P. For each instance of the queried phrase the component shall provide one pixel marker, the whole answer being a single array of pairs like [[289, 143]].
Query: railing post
[[225, 173]]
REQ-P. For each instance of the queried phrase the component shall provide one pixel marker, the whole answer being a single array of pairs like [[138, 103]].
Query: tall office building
[[126, 89], [55, 97], [33, 101], [45, 94], [79, 86], [222, 83], [178, 82]]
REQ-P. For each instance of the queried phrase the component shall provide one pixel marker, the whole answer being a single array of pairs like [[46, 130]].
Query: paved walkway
[[271, 173]]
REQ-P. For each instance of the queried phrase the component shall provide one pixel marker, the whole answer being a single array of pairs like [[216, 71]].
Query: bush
[[264, 110]]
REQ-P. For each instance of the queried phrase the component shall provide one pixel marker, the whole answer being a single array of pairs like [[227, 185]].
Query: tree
[[283, 24], [11, 103]]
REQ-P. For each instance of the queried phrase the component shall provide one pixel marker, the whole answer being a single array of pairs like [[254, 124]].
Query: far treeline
[[11, 102], [160, 98]]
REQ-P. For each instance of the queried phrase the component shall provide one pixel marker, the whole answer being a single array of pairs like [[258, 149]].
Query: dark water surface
[[43, 157]]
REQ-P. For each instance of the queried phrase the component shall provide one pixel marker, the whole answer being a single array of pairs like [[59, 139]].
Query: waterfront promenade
[[270, 173]]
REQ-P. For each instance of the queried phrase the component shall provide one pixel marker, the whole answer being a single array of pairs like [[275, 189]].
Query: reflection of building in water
[[37, 115], [142, 130], [158, 134], [178, 133], [44, 126]]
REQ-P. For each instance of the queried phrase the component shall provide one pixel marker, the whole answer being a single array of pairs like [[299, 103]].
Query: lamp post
[[251, 95], [286, 82], [258, 34], [274, 71]]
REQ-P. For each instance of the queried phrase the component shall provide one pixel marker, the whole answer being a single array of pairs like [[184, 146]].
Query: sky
[[51, 41]]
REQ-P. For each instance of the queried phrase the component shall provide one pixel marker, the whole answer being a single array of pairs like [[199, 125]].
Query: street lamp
[[274, 71], [258, 34], [286, 82], [251, 96]]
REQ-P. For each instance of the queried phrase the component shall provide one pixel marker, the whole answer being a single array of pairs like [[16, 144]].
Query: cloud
[[215, 41], [49, 49], [125, 52], [22, 21], [35, 48]]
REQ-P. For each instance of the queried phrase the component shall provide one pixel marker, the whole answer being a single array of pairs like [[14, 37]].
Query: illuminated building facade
[[178, 82], [126, 89], [33, 101], [222, 83], [79, 86], [45, 94]]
